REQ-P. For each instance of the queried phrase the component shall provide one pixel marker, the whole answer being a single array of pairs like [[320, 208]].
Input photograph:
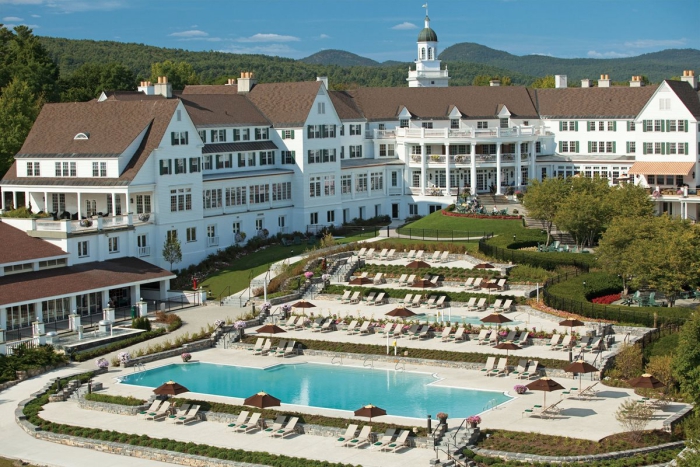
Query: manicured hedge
[[401, 293], [24, 358], [445, 272], [120, 400], [113, 347], [567, 293]]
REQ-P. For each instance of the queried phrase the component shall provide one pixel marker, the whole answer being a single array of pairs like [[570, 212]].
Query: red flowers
[[607, 299]]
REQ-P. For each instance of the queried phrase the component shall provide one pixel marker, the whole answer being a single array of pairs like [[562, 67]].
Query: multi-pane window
[[403, 123], [259, 224], [208, 160], [166, 166], [191, 234], [591, 126], [262, 133], [394, 178], [381, 126], [288, 134], [504, 122], [90, 207], [482, 125], [281, 191], [180, 199], [329, 185], [415, 179], [346, 184], [211, 231], [454, 123], [317, 156], [181, 165], [267, 157], [682, 125], [203, 135], [218, 136], [33, 169], [58, 201], [320, 131], [313, 218], [83, 249], [288, 157], [386, 150], [321, 107], [416, 150], [65, 169], [236, 134], [361, 183], [194, 164], [245, 134], [413, 209], [648, 148], [427, 125], [315, 187], [259, 194], [212, 198], [355, 130], [179, 138], [330, 216], [611, 126], [671, 125], [568, 126], [235, 196], [648, 125], [171, 235], [355, 151], [632, 147], [116, 207], [538, 147], [236, 227], [671, 148], [657, 148], [224, 161], [113, 244], [631, 126], [377, 181], [143, 204], [251, 159], [657, 125]]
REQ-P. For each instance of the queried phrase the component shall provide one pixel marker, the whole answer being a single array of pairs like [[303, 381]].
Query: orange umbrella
[[171, 388], [418, 265], [646, 381]]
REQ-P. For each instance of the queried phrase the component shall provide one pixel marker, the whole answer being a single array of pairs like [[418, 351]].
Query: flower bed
[[607, 299]]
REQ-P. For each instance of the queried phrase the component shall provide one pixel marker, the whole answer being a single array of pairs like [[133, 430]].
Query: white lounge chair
[[242, 417], [483, 336], [401, 441], [419, 255], [436, 256], [192, 415], [502, 284], [458, 335], [477, 283], [381, 298], [468, 283], [391, 255], [489, 365], [153, 409], [445, 336], [288, 429], [346, 296], [531, 372], [352, 326], [378, 278], [386, 439], [382, 254], [387, 329], [411, 279], [162, 412], [364, 329], [445, 257], [355, 297], [277, 425], [348, 435], [407, 299], [411, 254], [403, 279], [362, 252], [501, 368], [250, 425], [416, 300], [361, 439]]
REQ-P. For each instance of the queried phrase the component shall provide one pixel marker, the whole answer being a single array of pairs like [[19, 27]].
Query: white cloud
[[268, 38], [22, 2], [12, 19], [405, 26], [324, 36], [650, 43], [610, 54], [72, 6], [36, 16], [189, 34], [272, 49]]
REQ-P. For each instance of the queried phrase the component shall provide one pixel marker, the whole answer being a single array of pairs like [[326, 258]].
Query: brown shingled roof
[[191, 89], [687, 95], [222, 109], [617, 101], [75, 279], [20, 247], [435, 103], [285, 104], [345, 106], [112, 125]]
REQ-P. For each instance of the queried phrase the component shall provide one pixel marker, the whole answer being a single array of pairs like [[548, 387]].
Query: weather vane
[[426, 8]]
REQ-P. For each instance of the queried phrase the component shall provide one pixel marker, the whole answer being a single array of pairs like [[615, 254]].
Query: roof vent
[[82, 136]]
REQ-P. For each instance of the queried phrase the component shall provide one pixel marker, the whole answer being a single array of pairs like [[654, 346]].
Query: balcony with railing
[[517, 132], [212, 241], [95, 224], [144, 251], [464, 160]]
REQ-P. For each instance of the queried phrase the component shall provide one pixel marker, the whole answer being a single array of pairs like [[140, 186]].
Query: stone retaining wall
[[111, 408], [22, 375], [191, 347]]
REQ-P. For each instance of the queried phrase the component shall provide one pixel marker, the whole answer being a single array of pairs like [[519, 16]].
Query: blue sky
[[377, 29]]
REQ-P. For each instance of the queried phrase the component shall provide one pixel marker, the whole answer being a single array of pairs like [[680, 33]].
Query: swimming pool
[[401, 393]]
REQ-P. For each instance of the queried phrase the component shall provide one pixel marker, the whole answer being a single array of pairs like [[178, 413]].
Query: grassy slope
[[439, 221]]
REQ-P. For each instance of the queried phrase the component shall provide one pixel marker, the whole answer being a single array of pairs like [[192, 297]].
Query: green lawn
[[437, 221], [471, 247]]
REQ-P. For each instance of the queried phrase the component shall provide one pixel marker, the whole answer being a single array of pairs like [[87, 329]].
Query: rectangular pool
[[405, 394]]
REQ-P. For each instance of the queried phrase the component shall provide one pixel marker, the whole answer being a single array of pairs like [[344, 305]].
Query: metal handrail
[[228, 287], [371, 361], [400, 363], [339, 357]]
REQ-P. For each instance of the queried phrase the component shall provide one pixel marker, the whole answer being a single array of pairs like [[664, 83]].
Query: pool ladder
[[400, 365], [371, 362], [490, 405], [338, 358], [138, 367]]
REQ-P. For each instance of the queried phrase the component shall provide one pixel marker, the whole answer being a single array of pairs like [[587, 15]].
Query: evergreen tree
[[19, 108]]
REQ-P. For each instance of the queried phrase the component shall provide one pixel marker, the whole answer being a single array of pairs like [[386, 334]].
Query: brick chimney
[[690, 78], [604, 81], [246, 82], [163, 88]]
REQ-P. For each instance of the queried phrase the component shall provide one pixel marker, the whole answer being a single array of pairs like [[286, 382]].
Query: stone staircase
[[493, 200], [564, 237], [454, 445]]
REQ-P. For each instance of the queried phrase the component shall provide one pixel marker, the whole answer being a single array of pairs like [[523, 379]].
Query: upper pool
[[401, 393]]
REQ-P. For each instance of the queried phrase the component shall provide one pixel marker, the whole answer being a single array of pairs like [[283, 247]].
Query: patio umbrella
[[401, 311], [262, 400], [417, 264], [580, 367], [171, 388], [369, 411], [484, 266], [423, 283], [646, 381], [545, 385], [497, 318], [508, 346], [489, 285], [572, 323], [361, 281], [303, 304], [270, 329]]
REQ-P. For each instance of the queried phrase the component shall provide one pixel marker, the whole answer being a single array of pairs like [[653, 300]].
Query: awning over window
[[662, 168]]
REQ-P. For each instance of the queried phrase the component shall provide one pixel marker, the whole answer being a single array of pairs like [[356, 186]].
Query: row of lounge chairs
[[160, 409], [281, 427], [585, 344], [478, 283], [492, 337], [389, 442], [264, 347], [373, 298], [525, 369]]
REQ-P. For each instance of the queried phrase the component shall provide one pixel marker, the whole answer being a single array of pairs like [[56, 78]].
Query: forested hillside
[[656, 66]]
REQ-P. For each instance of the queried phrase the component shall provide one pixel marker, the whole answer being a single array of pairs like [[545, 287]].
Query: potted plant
[[219, 323], [124, 357], [102, 363], [520, 389], [473, 420], [308, 275], [286, 309], [442, 416], [186, 357], [240, 326]]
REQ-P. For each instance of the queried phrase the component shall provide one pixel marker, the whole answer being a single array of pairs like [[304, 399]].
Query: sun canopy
[[662, 168]]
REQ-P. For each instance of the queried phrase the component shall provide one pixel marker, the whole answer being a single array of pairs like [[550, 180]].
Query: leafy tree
[[686, 362], [628, 361], [629, 200], [92, 78], [23, 57], [634, 417], [690, 457], [19, 108], [614, 247], [661, 366], [542, 200], [544, 82], [179, 73], [485, 80], [172, 252]]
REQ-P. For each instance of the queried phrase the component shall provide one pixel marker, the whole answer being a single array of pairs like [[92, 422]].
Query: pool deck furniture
[[289, 428], [431, 301], [242, 417], [419, 332], [477, 283], [501, 369], [364, 329], [181, 412], [280, 347], [361, 439], [554, 341], [190, 416], [436, 256], [328, 325], [258, 344], [564, 344], [411, 254], [521, 368], [378, 278], [370, 297], [403, 281], [351, 327], [532, 411], [468, 285], [381, 299], [398, 331], [387, 329], [250, 425], [459, 335], [425, 333], [291, 322], [496, 305], [288, 351], [419, 254], [523, 339], [401, 442], [391, 255], [348, 435], [589, 392], [370, 253], [531, 372], [355, 297], [439, 303], [507, 306], [445, 336], [502, 284], [162, 412], [445, 257], [277, 425], [416, 300], [362, 252], [434, 280], [384, 440], [483, 336], [382, 254], [152, 409], [346, 296], [489, 365], [411, 279], [471, 304], [264, 349]]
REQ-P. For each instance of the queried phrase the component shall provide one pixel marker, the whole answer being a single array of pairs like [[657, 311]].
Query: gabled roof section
[[222, 110], [614, 102], [687, 95], [20, 247], [113, 125], [191, 89], [285, 104], [454, 112], [434, 103], [128, 96], [345, 106]]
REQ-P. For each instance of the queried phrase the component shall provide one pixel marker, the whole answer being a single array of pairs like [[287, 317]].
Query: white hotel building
[[208, 162]]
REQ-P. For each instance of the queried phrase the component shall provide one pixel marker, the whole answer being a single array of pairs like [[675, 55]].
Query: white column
[[164, 285], [498, 169], [447, 168], [105, 299], [39, 311], [135, 294], [114, 204], [532, 158], [423, 162], [3, 318], [14, 200], [473, 169], [518, 171], [79, 217], [27, 201]]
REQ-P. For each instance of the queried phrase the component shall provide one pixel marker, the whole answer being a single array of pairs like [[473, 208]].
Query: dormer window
[[82, 136]]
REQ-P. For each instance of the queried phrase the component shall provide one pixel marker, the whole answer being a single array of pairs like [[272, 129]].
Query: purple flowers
[[186, 356], [102, 363], [473, 419], [520, 389], [308, 275]]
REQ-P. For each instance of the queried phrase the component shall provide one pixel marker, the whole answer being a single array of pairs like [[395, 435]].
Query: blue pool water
[[400, 393]]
